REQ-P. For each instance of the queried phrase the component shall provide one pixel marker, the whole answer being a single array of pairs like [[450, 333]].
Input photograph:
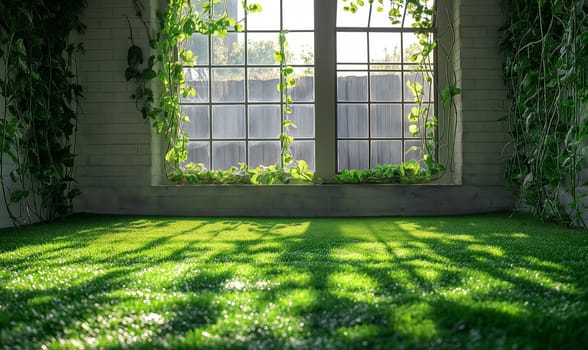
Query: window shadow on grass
[[378, 283]]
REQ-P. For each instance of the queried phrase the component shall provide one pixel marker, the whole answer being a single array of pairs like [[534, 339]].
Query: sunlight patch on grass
[[378, 283], [487, 249], [359, 252], [351, 281]]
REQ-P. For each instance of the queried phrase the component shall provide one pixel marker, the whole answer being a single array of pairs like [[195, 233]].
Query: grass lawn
[[479, 282]]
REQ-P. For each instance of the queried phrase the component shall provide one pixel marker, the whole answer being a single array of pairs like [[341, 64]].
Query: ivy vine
[[39, 109], [546, 71]]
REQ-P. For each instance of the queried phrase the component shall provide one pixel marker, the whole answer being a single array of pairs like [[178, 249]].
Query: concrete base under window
[[299, 200]]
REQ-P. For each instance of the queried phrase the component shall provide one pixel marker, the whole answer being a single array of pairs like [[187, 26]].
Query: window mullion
[[325, 87]]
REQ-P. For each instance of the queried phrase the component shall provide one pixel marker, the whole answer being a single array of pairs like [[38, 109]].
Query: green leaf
[[448, 93], [413, 129], [73, 193], [134, 56], [18, 195], [254, 8], [189, 27], [279, 57], [151, 62], [131, 72], [148, 74]]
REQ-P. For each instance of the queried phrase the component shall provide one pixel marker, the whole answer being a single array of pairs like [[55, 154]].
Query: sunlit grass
[[488, 281]]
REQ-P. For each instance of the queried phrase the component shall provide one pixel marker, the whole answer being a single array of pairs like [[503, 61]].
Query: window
[[351, 100], [373, 68], [236, 115]]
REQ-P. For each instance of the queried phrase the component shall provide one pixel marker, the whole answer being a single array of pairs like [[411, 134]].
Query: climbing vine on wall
[[546, 71], [39, 94]]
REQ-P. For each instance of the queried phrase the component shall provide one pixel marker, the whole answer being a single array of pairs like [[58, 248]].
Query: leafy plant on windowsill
[[404, 173], [423, 123]]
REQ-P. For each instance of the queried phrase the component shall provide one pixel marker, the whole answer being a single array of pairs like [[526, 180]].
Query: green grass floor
[[477, 282]]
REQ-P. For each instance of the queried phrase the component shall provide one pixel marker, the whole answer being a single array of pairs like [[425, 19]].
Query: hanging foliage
[[546, 45], [39, 110]]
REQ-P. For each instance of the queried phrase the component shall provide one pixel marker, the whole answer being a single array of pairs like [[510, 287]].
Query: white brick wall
[[114, 165], [484, 93]]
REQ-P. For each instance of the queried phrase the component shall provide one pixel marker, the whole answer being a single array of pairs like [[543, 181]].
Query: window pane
[[352, 121], [352, 67], [298, 14], [228, 84], [386, 67], [385, 48], [348, 19], [233, 8], [300, 48], [261, 48], [386, 152], [268, 19], [411, 46], [197, 78], [226, 154], [386, 121], [198, 44], [352, 48], [304, 89], [304, 150], [199, 152], [228, 122], [386, 87], [353, 155], [262, 84], [352, 86], [199, 125], [407, 21], [228, 50], [303, 117], [263, 153], [264, 121]]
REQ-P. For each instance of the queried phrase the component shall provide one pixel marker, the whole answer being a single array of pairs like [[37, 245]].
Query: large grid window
[[361, 64], [236, 115], [373, 101]]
